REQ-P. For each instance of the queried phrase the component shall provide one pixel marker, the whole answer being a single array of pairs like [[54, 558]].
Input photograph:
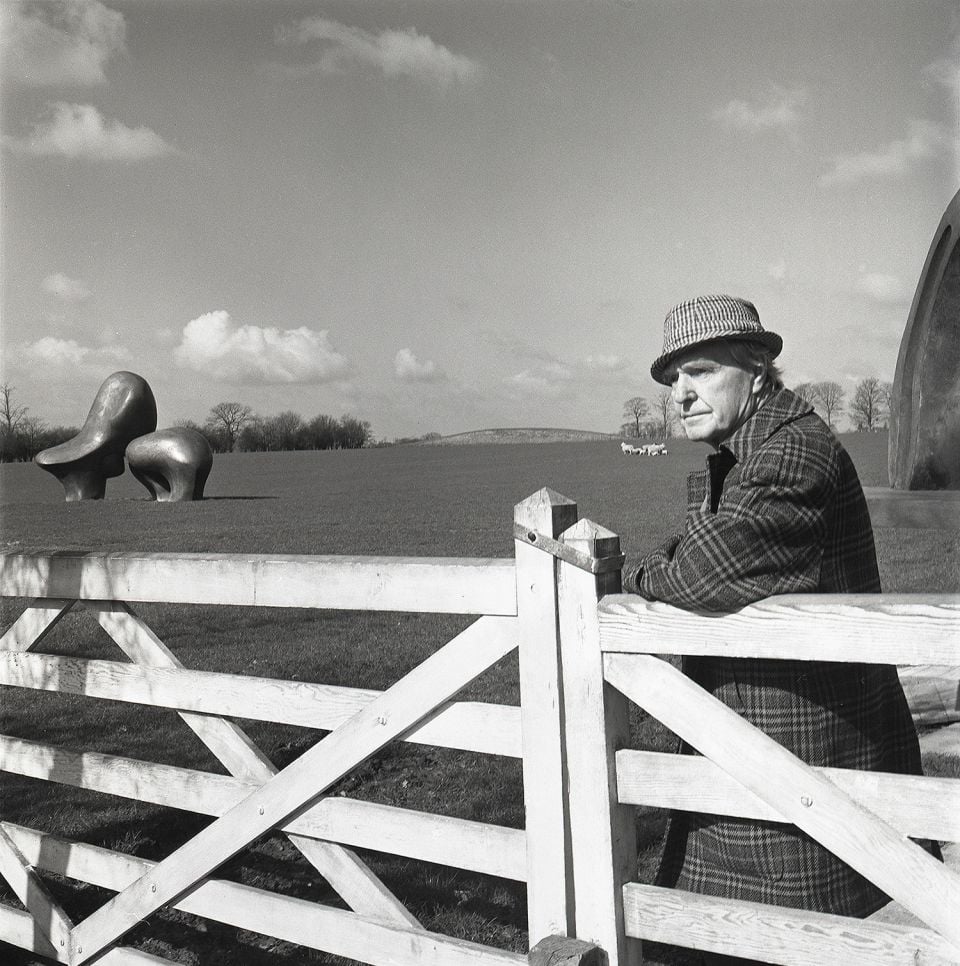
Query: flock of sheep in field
[[649, 449]]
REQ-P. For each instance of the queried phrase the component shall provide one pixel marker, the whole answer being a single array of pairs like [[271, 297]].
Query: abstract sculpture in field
[[173, 464], [925, 405], [123, 409]]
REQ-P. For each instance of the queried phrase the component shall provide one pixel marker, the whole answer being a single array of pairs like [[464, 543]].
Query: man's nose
[[681, 389]]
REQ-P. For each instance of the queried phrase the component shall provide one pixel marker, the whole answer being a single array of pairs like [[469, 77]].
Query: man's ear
[[759, 378]]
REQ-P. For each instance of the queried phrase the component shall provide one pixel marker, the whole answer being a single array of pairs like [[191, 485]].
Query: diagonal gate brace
[[33, 625], [51, 925], [346, 872], [301, 783], [803, 797]]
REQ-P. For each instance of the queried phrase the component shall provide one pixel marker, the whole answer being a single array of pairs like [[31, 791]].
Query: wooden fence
[[584, 651]]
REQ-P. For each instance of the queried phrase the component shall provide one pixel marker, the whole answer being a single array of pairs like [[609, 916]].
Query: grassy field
[[435, 501]]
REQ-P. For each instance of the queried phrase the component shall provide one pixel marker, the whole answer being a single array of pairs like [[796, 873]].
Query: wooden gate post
[[603, 835], [549, 887]]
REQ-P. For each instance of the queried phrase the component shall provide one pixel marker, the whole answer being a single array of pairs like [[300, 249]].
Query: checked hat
[[706, 318]]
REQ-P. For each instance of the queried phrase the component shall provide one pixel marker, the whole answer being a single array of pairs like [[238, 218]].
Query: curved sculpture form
[[924, 451], [123, 409], [173, 464]]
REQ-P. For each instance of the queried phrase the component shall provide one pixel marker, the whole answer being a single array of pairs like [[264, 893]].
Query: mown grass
[[437, 501]]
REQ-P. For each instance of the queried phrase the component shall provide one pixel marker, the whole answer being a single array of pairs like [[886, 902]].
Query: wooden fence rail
[[442, 585], [585, 653], [492, 729]]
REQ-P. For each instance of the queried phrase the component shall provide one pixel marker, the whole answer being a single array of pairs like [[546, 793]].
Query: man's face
[[713, 393]]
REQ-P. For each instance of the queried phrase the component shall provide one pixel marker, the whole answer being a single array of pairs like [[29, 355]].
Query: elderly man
[[778, 510]]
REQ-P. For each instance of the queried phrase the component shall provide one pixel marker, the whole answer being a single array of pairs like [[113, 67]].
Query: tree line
[[233, 426], [868, 410], [228, 426]]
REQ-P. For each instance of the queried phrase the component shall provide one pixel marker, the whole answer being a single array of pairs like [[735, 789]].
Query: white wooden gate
[[517, 603]]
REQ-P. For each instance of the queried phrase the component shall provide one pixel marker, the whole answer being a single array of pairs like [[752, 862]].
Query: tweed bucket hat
[[706, 318]]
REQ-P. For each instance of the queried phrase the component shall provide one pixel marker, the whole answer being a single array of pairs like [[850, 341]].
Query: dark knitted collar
[[781, 408]]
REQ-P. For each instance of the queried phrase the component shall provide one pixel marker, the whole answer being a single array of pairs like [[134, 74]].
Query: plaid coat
[[780, 510]]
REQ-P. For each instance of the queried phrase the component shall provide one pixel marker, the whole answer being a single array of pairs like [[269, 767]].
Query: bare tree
[[665, 409], [10, 415], [32, 436], [636, 408], [228, 418], [805, 391], [869, 406], [829, 395]]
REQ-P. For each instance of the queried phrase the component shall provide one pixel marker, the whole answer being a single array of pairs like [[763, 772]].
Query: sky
[[463, 214]]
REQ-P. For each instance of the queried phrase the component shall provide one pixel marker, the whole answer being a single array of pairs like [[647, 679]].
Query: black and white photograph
[[479, 482]]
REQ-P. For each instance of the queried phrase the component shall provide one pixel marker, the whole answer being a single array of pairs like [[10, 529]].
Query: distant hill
[[525, 435]]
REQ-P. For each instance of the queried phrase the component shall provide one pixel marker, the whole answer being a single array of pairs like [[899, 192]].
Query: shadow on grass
[[207, 499]]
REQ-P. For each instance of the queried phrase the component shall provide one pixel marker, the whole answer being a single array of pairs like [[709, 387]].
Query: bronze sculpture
[[173, 464], [123, 409], [925, 406]]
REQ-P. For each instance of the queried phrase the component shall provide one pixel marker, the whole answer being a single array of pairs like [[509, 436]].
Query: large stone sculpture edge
[[924, 447]]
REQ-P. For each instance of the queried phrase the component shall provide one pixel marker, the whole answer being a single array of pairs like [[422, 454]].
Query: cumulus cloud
[[924, 139], [777, 270], [945, 73], [548, 380], [66, 43], [65, 289], [409, 368], [214, 345], [50, 352], [517, 348], [780, 110], [80, 131], [886, 289], [395, 53], [604, 363], [165, 336]]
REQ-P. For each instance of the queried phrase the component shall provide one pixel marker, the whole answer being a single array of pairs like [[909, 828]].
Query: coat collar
[[781, 408]]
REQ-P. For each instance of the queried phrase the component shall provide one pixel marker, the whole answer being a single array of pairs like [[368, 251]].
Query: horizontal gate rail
[[460, 843], [440, 585], [918, 806], [469, 725], [867, 628], [294, 920], [792, 937]]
